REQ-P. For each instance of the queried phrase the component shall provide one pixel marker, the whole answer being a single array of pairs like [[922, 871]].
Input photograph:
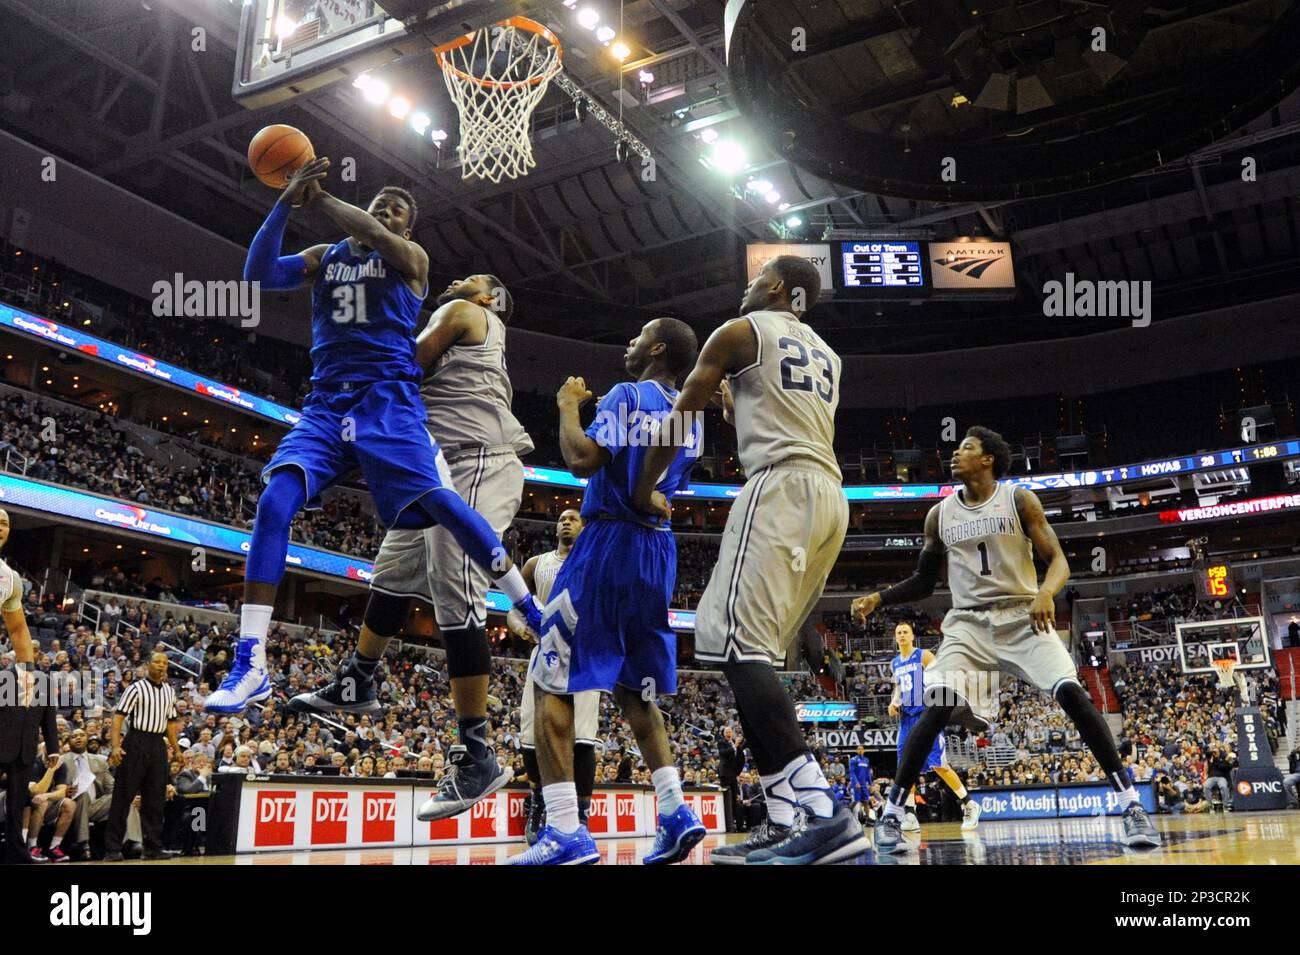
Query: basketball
[[276, 151]]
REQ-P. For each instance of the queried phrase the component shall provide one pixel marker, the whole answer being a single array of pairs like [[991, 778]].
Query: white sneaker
[[970, 816], [246, 684], [911, 823]]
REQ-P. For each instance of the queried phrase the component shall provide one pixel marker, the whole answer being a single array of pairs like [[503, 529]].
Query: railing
[[13, 455]]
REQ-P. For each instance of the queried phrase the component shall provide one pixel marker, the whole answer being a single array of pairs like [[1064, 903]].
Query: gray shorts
[[430, 565], [586, 712], [978, 646]]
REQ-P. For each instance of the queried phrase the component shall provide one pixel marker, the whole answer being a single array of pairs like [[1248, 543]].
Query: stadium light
[[793, 222], [376, 91], [420, 121], [438, 135], [645, 77], [773, 196], [783, 206], [399, 106], [709, 135], [605, 34], [285, 26], [620, 51], [758, 185], [361, 81], [587, 17], [729, 156]]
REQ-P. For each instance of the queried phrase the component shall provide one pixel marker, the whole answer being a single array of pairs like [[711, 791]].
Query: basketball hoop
[[496, 76], [1226, 670]]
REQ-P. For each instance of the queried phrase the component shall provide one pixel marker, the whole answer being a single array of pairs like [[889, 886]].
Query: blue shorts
[[936, 758], [381, 428], [607, 621]]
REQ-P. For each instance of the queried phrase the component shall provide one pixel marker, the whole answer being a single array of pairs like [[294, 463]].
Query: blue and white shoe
[[247, 682], [532, 614], [888, 835], [676, 836], [819, 842], [557, 848]]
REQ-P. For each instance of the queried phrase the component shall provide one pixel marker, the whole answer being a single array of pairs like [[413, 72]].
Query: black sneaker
[[764, 836], [819, 842], [889, 834], [465, 783], [348, 692], [1138, 831], [536, 816]]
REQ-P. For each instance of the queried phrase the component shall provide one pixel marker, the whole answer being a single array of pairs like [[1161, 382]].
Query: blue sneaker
[[247, 682], [676, 836], [556, 848], [819, 842], [532, 614]]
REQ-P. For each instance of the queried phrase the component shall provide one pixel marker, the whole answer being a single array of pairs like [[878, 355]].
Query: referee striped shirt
[[149, 706]]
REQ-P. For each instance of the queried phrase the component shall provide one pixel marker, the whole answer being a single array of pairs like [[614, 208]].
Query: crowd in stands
[[1180, 604]]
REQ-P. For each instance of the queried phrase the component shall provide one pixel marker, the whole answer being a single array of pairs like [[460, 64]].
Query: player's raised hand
[[306, 176], [864, 607], [1043, 613], [573, 394]]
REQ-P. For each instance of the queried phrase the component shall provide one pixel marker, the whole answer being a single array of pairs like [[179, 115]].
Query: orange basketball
[[276, 151]]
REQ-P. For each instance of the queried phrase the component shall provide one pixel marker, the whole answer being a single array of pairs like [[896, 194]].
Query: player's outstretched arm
[[447, 326], [730, 347], [264, 263], [1048, 549], [921, 584], [403, 254]]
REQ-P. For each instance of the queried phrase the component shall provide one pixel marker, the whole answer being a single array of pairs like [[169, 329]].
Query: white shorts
[[586, 712], [783, 535], [428, 563], [980, 644]]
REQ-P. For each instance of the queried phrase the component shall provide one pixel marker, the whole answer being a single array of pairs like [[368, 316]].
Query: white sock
[[513, 586], [780, 799], [1129, 795], [892, 810], [31, 842], [668, 788], [54, 843], [561, 806], [810, 786], [254, 622]]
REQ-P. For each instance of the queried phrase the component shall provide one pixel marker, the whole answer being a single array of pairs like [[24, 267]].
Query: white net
[[496, 79]]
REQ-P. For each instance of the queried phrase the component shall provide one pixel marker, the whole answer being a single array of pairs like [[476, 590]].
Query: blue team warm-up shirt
[[860, 773], [910, 675], [607, 621], [365, 409]]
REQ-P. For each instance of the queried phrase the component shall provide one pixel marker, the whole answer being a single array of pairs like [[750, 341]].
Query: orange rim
[[519, 23]]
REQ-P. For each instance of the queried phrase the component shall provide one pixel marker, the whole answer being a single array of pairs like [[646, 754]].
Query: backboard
[[1201, 643], [290, 47]]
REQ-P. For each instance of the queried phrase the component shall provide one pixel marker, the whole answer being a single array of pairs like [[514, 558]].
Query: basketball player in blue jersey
[[860, 779], [364, 410], [1002, 621], [605, 626], [909, 693]]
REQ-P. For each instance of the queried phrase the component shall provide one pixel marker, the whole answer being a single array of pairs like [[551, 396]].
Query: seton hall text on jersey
[[980, 527], [372, 268]]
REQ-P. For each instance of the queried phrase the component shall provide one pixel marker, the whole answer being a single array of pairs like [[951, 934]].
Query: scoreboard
[[881, 264]]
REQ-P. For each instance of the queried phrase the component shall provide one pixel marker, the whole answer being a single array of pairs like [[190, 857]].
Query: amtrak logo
[[970, 264]]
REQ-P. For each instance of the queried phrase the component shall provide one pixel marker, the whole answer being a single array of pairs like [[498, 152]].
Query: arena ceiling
[[591, 249]]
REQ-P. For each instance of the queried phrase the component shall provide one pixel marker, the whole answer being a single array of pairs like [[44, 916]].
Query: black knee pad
[[468, 653], [385, 614]]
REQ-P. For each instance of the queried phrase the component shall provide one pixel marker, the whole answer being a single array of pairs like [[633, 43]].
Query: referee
[[142, 762]]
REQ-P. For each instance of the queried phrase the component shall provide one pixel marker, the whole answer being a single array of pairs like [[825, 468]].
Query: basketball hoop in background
[[1226, 670], [496, 76]]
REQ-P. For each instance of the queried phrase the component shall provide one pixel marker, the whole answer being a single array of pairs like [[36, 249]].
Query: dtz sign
[[276, 817]]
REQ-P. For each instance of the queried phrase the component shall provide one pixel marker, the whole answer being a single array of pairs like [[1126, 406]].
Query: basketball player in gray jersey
[[783, 535], [539, 574], [467, 396], [1002, 621]]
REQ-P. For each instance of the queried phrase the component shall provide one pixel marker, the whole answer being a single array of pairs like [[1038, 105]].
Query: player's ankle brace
[[468, 653], [282, 498]]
